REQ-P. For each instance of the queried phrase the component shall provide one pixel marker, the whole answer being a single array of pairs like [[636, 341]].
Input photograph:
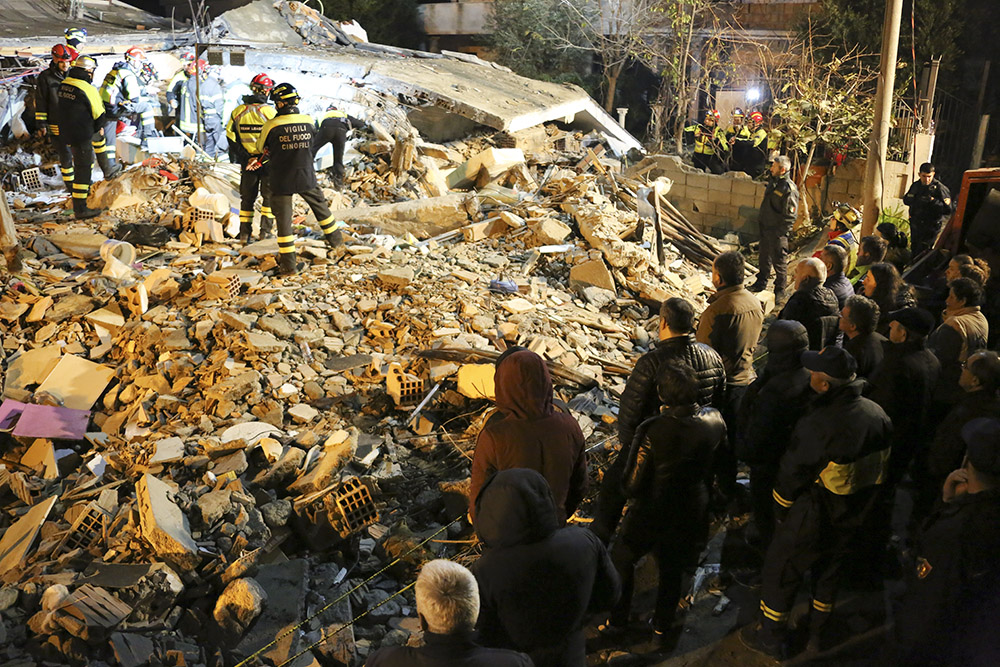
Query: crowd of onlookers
[[872, 440]]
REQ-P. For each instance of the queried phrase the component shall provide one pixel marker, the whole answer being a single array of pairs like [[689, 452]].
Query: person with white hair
[[812, 304], [448, 607]]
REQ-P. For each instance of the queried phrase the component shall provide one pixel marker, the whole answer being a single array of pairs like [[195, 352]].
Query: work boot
[[266, 227], [758, 286], [755, 638], [83, 212], [287, 265], [246, 231], [335, 238]]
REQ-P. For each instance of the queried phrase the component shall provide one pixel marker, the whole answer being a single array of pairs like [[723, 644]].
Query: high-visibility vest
[[246, 122], [705, 139], [120, 85]]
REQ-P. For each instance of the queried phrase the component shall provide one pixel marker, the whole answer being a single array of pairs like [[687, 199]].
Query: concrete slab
[[285, 585], [164, 525]]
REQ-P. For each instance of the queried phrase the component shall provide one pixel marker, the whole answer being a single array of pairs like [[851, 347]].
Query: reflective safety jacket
[[838, 456], [212, 102], [244, 127], [286, 142], [81, 111], [708, 140], [47, 98], [121, 88]]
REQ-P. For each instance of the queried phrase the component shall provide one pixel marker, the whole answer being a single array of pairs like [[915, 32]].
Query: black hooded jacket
[[815, 306], [777, 398], [538, 581]]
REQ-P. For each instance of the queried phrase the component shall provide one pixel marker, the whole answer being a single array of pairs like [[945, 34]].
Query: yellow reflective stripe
[[79, 195], [781, 501], [822, 606], [80, 186], [41, 115], [336, 113], [326, 222], [284, 250], [286, 239], [772, 614], [96, 105], [846, 478], [265, 211], [54, 129], [278, 121]]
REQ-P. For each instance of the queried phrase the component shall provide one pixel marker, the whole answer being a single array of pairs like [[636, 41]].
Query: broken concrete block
[[264, 343], [163, 525], [494, 160], [240, 603], [214, 505], [167, 451], [76, 382], [237, 321], [396, 277], [476, 381], [277, 513], [18, 540], [69, 306], [549, 231], [235, 387], [303, 413], [423, 217], [277, 325], [517, 305], [593, 272]]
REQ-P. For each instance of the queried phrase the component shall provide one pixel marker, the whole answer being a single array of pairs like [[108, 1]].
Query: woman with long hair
[[898, 254], [884, 286]]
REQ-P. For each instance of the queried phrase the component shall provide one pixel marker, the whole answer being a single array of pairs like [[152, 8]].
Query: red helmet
[[196, 65], [757, 117], [135, 54], [63, 53], [262, 84], [713, 114]]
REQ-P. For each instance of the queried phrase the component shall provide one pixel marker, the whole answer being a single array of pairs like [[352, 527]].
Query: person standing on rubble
[[709, 143], [47, 107], [242, 132], [123, 96], [641, 401], [199, 88], [777, 215], [81, 122], [531, 434], [333, 129], [75, 37], [285, 146]]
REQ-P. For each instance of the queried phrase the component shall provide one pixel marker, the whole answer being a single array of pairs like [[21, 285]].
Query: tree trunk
[[805, 170], [8, 236]]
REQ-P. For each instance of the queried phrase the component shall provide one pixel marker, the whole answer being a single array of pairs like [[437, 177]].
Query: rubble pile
[[195, 453]]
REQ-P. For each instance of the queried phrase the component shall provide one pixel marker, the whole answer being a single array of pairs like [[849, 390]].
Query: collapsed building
[[202, 464]]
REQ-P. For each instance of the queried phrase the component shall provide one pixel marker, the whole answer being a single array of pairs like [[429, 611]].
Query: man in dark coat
[[641, 401], [531, 434], [858, 319], [903, 385], [538, 581], [980, 380], [812, 304], [773, 404], [667, 478], [778, 211], [835, 259], [948, 614], [448, 606], [930, 205], [828, 485]]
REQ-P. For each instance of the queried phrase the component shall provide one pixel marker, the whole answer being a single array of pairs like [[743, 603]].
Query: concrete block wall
[[720, 205]]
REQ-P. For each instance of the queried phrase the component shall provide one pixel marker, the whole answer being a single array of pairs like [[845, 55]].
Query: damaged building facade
[[205, 465]]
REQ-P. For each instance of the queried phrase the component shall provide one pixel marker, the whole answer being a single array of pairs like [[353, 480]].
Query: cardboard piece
[[18, 539], [51, 421], [31, 367], [77, 382]]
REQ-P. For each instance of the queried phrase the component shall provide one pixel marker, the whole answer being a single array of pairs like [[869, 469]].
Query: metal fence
[[954, 137]]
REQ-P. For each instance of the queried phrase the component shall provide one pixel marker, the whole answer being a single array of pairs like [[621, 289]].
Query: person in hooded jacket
[[531, 434], [772, 405], [538, 580], [667, 478]]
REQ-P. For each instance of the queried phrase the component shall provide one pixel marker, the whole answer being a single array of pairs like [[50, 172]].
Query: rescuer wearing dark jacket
[[47, 107], [666, 479], [81, 116], [538, 580], [778, 211], [948, 614], [812, 304], [640, 400], [531, 434], [930, 205], [333, 129], [242, 133], [285, 145], [828, 485], [903, 385], [770, 409]]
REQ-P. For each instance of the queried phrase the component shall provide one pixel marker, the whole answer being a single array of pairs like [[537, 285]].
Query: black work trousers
[[711, 163], [281, 205], [773, 253], [252, 183], [611, 498], [339, 141], [923, 233], [65, 155], [83, 166], [674, 544]]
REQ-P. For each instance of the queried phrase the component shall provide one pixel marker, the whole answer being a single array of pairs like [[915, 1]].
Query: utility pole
[[879, 144]]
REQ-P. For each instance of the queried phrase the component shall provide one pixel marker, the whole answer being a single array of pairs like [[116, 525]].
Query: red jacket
[[530, 433]]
